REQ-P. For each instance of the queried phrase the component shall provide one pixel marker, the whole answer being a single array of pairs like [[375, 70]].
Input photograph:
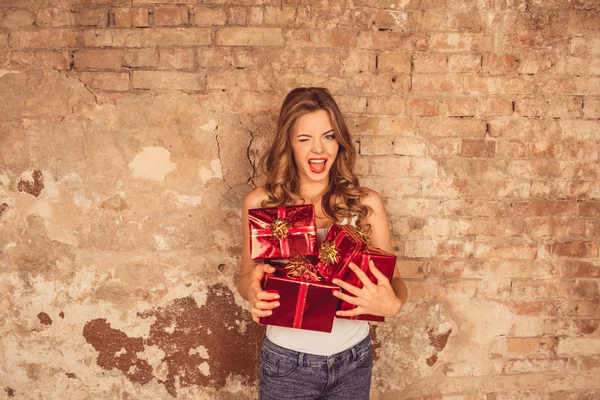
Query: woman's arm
[[381, 237], [249, 282], [384, 298]]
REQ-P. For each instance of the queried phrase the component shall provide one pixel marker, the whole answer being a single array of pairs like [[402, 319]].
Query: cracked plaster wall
[[130, 132]]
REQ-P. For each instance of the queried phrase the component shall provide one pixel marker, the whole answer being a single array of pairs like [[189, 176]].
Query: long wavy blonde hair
[[343, 195]]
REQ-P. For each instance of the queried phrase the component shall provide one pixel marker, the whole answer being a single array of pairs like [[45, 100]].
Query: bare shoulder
[[255, 198], [372, 199]]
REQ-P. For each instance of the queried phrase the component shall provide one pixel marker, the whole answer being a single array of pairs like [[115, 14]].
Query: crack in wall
[[219, 155], [252, 163]]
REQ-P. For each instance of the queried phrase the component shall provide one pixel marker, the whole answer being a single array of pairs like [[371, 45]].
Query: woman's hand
[[261, 302], [374, 298]]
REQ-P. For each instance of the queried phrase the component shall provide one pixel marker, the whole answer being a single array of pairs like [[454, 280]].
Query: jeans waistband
[[307, 359]]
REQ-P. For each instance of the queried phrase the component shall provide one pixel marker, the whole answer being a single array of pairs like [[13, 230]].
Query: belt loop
[[301, 359], [353, 349]]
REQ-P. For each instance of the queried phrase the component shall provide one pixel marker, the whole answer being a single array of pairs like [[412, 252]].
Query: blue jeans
[[288, 374]]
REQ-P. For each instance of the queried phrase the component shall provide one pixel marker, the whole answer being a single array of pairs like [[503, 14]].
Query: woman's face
[[315, 146]]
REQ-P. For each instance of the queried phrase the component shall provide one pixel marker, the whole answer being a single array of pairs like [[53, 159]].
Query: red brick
[[59, 60], [386, 40], [465, 269], [128, 17], [237, 16], [575, 249], [532, 107], [544, 207], [469, 20], [214, 57], [390, 19], [383, 84], [496, 85], [92, 17], [451, 42], [249, 37], [547, 149], [394, 62], [279, 16], [430, 63], [451, 127], [494, 64], [139, 58], [478, 148], [437, 84], [46, 38], [581, 308], [412, 269], [530, 345], [505, 251], [168, 80], [591, 108], [325, 60], [460, 107], [54, 17], [16, 19], [117, 81], [423, 107], [588, 209], [375, 145], [176, 58], [494, 106], [246, 102], [98, 59], [255, 16], [171, 15], [151, 37], [584, 345], [464, 63], [551, 365], [523, 129], [356, 62], [246, 79], [533, 308]]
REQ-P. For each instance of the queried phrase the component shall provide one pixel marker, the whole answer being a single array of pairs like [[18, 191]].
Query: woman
[[311, 160]]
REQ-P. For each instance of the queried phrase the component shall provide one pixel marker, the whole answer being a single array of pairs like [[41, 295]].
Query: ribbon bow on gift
[[299, 267], [281, 229]]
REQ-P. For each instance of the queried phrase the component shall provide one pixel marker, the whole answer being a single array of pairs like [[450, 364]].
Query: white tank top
[[344, 334]]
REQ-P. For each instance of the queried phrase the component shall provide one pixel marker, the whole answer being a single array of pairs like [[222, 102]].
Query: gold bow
[[363, 235], [328, 254], [299, 267], [279, 228]]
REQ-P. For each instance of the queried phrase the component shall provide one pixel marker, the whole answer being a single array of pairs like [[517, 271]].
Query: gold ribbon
[[299, 267], [363, 235], [280, 228], [328, 254]]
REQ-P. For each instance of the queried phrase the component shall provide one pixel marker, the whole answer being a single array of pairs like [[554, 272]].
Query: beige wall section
[[129, 134]]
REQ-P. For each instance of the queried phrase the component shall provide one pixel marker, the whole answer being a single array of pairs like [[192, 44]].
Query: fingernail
[[269, 312], [276, 296], [277, 304]]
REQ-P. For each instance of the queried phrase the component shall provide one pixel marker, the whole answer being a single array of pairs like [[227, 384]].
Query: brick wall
[[130, 132]]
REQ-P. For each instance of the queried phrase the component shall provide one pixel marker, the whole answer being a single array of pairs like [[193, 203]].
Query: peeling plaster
[[152, 163]]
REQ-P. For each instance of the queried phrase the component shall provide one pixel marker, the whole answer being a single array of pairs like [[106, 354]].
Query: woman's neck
[[311, 191]]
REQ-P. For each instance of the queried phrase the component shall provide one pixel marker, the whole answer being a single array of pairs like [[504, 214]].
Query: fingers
[[347, 298], [266, 305], [267, 295], [260, 313], [381, 278], [261, 269], [346, 286], [361, 275], [350, 313]]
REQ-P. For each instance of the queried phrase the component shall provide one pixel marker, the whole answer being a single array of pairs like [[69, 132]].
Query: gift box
[[385, 262], [282, 232], [344, 244], [305, 301]]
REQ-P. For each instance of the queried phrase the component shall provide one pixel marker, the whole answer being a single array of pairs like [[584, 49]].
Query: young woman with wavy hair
[[311, 160]]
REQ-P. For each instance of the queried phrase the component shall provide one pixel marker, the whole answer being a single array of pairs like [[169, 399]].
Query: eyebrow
[[325, 133]]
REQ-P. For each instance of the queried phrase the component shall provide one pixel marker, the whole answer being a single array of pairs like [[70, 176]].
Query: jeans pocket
[[364, 359], [276, 367]]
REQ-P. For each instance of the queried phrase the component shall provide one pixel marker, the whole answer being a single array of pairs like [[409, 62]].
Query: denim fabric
[[288, 374]]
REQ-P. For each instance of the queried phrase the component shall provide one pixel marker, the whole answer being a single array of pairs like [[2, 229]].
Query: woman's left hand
[[373, 298]]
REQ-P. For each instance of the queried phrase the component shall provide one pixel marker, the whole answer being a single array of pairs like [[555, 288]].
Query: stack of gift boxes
[[286, 238]]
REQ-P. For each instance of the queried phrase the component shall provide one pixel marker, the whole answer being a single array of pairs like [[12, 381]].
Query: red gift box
[[344, 244], [304, 303], [282, 232]]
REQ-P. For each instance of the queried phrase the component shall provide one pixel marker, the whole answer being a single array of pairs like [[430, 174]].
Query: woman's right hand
[[261, 302]]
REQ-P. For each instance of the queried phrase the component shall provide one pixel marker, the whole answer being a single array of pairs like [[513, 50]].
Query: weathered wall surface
[[129, 134]]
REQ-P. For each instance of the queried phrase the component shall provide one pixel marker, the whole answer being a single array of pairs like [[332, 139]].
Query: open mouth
[[317, 165]]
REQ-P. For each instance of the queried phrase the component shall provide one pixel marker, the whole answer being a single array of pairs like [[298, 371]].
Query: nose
[[317, 147]]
